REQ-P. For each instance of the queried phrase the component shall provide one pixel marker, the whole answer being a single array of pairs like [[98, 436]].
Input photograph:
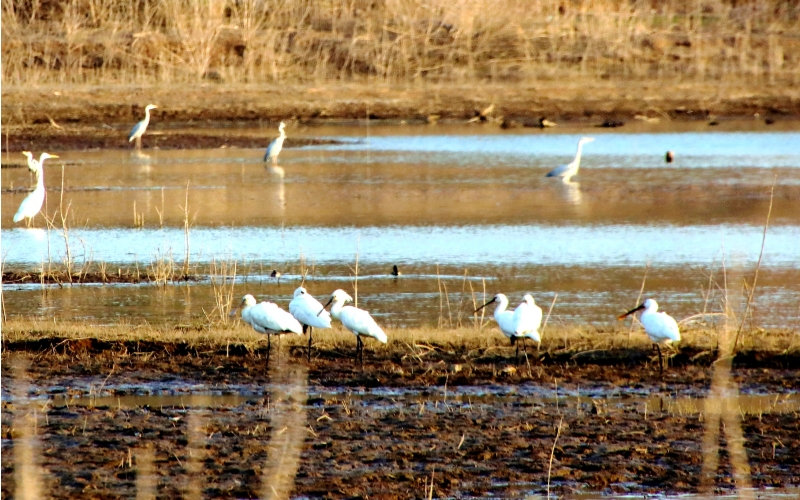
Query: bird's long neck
[[146, 116], [577, 159], [500, 309], [283, 134], [40, 177]]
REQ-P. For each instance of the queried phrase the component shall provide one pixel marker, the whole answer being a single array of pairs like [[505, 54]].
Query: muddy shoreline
[[394, 444], [57, 118]]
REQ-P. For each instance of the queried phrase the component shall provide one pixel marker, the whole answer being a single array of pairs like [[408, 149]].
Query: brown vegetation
[[301, 41]]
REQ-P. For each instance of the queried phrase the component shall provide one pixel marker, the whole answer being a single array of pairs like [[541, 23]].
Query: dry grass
[[108, 42], [416, 340]]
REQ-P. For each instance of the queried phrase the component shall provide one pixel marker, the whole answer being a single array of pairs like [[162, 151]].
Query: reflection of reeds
[[146, 477], [288, 422], [722, 405], [196, 443], [27, 472]]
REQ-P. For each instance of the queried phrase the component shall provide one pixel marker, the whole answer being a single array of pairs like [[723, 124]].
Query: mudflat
[[215, 115], [465, 421]]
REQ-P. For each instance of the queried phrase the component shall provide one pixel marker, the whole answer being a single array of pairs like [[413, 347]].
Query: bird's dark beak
[[325, 306], [233, 313], [486, 304], [623, 316]]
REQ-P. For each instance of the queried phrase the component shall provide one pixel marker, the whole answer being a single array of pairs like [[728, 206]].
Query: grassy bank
[[582, 344]]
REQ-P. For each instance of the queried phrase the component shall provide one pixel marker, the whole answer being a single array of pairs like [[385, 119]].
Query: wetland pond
[[454, 207], [464, 212]]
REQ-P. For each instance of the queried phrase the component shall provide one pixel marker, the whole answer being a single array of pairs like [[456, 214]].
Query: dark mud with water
[[390, 428]]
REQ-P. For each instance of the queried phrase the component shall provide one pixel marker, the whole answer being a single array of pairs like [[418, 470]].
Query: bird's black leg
[[269, 346], [660, 360], [309, 343]]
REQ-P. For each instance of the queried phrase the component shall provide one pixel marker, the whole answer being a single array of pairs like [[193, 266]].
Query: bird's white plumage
[[659, 326], [138, 130], [307, 309], [32, 162], [356, 320], [32, 203], [274, 149], [567, 171], [268, 318], [504, 318], [527, 319]]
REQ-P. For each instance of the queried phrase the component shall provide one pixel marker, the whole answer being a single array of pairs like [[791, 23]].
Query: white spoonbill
[[356, 320], [138, 130], [274, 148], [520, 323], [32, 203], [567, 171], [307, 309], [659, 326], [268, 318], [527, 319]]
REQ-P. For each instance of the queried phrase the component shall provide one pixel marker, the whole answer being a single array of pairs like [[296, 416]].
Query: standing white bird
[[567, 171], [659, 326], [528, 319], [356, 320], [32, 203], [307, 309], [268, 318], [274, 149], [138, 130], [32, 163], [521, 323]]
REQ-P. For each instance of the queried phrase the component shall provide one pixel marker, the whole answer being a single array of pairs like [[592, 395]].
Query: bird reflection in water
[[571, 192]]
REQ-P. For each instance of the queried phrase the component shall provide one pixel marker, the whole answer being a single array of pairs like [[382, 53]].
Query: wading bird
[[32, 203], [274, 148], [138, 130], [307, 310], [522, 323], [567, 171], [396, 272], [659, 326], [527, 320], [356, 320], [268, 318], [32, 163]]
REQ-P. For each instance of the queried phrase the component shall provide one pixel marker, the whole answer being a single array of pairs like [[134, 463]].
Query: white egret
[[32, 162], [659, 326], [307, 309], [567, 171], [32, 203], [356, 320], [521, 323], [268, 318], [138, 130], [274, 149]]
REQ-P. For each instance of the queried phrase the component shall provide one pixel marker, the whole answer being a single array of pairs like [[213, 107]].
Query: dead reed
[[108, 42]]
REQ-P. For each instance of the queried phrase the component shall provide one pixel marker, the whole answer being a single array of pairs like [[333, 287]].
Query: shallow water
[[469, 199]]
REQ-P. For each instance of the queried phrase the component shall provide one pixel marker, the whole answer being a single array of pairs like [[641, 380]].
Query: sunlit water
[[471, 200]]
